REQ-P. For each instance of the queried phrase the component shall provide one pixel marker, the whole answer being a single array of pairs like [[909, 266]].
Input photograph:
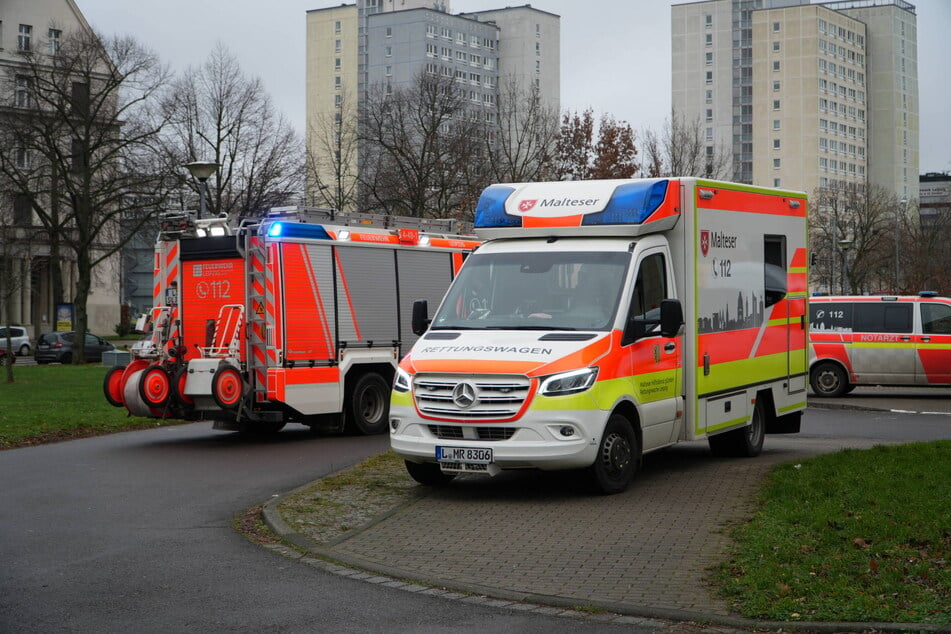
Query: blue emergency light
[[297, 230], [630, 204]]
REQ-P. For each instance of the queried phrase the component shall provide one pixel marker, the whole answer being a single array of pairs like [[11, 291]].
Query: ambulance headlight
[[569, 382], [403, 380]]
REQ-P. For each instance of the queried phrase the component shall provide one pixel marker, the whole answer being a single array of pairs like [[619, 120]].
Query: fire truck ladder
[[227, 337], [258, 331]]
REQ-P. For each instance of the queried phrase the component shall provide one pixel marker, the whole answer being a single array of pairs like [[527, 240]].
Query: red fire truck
[[301, 316]]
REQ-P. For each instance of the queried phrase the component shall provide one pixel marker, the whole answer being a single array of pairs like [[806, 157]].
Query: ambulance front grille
[[490, 396], [454, 432]]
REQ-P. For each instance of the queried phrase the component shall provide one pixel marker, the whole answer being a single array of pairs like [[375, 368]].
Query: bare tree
[[332, 151], [851, 228], [925, 249], [520, 142], [217, 113], [418, 147], [682, 149], [77, 145]]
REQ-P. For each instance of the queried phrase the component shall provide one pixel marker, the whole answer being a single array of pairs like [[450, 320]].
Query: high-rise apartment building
[[804, 95], [355, 49]]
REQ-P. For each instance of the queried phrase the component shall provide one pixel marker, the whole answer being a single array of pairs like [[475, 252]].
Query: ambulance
[[879, 340], [300, 317], [602, 320]]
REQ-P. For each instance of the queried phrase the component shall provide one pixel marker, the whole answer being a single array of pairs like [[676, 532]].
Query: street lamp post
[[844, 246], [898, 213], [201, 170]]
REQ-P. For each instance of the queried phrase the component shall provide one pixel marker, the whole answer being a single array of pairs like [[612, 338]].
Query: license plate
[[471, 455]]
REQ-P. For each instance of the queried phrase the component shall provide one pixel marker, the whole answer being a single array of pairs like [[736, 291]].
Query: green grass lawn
[[57, 402], [850, 536]]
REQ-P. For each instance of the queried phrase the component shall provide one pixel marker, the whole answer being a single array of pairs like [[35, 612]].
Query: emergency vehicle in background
[[879, 340], [606, 319], [300, 317]]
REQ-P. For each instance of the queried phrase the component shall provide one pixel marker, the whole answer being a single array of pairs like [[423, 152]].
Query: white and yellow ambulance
[[879, 340], [606, 319]]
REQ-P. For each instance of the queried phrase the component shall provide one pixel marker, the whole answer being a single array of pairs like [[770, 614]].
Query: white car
[[21, 344]]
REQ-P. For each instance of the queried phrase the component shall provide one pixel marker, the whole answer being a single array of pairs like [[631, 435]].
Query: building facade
[[355, 49], [26, 294], [806, 96]]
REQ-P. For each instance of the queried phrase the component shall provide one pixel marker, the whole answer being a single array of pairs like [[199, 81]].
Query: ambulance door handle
[[670, 346], [926, 339], [906, 338]]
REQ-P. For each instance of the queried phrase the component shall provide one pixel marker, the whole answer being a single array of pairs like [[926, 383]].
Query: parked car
[[3, 357], [58, 347], [22, 342]]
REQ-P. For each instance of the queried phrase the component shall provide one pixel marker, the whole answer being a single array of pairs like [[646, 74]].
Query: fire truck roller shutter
[[422, 275], [366, 295]]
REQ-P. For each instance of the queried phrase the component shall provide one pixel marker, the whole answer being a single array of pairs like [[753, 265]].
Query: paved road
[[132, 532]]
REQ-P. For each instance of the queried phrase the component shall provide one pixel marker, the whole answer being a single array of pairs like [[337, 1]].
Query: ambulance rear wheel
[[617, 459], [744, 442], [368, 407], [829, 379], [112, 385], [428, 473]]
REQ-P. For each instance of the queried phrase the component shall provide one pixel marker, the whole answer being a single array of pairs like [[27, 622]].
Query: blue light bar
[[297, 230], [490, 212], [631, 204]]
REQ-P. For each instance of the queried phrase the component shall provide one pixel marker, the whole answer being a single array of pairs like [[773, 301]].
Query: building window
[[775, 47], [22, 158], [775, 144], [337, 101], [823, 144], [777, 182], [708, 19], [776, 86], [538, 48], [431, 30], [337, 46], [776, 66], [337, 64], [389, 71], [22, 92], [775, 27], [54, 36], [709, 77], [709, 134], [337, 83], [775, 124], [337, 27], [709, 98], [709, 114], [708, 39], [822, 26], [389, 31], [24, 38], [777, 163], [538, 30], [775, 104], [709, 59]]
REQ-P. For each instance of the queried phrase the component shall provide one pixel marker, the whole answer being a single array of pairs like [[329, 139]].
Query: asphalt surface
[[540, 538]]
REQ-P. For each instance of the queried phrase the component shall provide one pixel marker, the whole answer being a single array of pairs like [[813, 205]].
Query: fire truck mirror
[[420, 316]]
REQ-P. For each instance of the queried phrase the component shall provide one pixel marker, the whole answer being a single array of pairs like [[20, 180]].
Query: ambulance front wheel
[[428, 473], [829, 379], [617, 459], [368, 407]]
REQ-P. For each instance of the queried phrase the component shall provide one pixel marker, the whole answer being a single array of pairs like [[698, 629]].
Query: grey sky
[[615, 54]]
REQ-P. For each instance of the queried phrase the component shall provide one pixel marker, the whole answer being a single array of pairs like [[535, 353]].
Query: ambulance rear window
[[883, 317]]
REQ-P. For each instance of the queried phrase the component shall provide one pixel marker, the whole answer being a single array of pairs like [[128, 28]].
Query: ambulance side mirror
[[420, 316], [671, 317]]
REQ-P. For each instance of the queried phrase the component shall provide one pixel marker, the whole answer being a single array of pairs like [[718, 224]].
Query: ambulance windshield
[[535, 291]]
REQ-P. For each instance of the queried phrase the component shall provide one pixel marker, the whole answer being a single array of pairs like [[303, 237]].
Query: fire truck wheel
[[428, 473], [829, 379], [178, 388], [617, 459], [155, 387], [744, 442], [112, 385], [368, 407], [227, 387]]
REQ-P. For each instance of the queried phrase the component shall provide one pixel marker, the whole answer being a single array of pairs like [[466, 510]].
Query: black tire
[[178, 396], [368, 405], [66, 359], [428, 473], [24, 350], [744, 442], [829, 379], [618, 457]]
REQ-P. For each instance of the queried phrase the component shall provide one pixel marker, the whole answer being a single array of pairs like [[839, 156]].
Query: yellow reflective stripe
[[881, 344], [605, 394], [729, 374], [933, 346], [401, 398], [794, 406], [729, 423]]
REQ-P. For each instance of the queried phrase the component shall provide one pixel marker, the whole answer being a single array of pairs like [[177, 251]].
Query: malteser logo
[[527, 205], [704, 242], [715, 240]]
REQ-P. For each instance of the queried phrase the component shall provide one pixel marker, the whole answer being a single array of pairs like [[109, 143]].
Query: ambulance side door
[[657, 361]]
